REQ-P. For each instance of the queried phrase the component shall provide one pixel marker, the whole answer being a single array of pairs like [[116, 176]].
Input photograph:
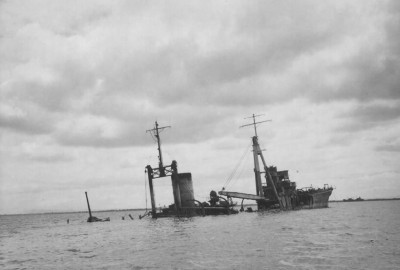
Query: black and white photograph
[[186, 134]]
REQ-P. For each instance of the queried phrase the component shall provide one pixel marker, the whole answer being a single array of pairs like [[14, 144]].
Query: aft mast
[[156, 131], [162, 170], [256, 153]]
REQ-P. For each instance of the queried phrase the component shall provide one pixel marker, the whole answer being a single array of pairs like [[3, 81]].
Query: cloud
[[50, 158], [178, 67], [92, 131], [189, 125], [96, 75], [365, 116], [389, 142], [388, 148], [378, 112], [81, 82], [362, 64], [27, 119], [235, 59]]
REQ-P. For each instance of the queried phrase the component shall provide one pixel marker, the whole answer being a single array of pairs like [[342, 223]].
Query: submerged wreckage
[[182, 187], [278, 192], [93, 218]]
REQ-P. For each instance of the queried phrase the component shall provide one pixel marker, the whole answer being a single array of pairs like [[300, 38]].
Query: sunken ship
[[277, 191], [185, 204]]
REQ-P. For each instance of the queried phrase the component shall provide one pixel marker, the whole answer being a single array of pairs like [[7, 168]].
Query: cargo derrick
[[278, 191], [260, 188]]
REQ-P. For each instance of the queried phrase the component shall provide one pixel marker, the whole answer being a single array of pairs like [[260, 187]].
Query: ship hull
[[312, 200], [196, 211]]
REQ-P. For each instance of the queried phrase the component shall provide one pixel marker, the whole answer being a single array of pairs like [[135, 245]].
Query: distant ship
[[278, 192], [359, 199]]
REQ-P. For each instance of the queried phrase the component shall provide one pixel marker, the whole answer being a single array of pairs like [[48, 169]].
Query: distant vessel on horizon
[[359, 199]]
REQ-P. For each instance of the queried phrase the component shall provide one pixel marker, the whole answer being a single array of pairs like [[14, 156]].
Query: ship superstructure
[[184, 203], [277, 191]]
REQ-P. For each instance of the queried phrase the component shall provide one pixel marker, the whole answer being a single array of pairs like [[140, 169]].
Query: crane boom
[[242, 195]]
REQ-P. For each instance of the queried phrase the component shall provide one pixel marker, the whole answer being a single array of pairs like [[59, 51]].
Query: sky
[[82, 81]]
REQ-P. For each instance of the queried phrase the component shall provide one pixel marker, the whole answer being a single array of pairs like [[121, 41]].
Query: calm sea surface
[[358, 235]]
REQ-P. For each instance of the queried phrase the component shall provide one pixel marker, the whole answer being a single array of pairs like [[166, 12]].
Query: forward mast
[[257, 154]]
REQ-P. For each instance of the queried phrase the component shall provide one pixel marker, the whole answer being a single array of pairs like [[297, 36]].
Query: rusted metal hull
[[317, 199], [296, 199], [196, 211]]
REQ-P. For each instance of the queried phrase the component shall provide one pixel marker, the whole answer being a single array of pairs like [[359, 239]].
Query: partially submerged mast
[[156, 131], [182, 188], [256, 153], [267, 195], [161, 170], [93, 218], [88, 205]]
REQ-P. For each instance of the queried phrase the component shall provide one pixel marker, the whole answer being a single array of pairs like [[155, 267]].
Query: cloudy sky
[[82, 81]]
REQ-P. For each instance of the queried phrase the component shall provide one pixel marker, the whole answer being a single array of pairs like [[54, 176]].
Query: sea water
[[357, 235]]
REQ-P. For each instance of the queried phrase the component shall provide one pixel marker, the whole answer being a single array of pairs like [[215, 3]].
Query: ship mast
[[161, 171], [156, 132], [257, 152]]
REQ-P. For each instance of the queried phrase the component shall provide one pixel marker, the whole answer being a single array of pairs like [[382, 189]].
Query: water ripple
[[344, 236]]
